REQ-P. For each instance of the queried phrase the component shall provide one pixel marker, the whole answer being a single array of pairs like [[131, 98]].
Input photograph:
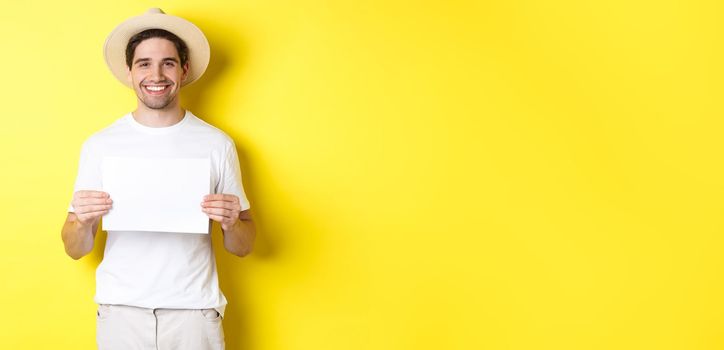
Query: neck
[[158, 118]]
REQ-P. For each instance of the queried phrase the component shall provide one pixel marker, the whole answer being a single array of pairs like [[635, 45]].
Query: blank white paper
[[156, 194]]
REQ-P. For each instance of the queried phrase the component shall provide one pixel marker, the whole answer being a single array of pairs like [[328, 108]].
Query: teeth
[[155, 88]]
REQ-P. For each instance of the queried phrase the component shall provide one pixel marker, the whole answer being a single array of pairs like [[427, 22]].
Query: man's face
[[156, 73]]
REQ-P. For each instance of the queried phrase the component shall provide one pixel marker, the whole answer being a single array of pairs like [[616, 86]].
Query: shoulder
[[210, 133], [101, 136]]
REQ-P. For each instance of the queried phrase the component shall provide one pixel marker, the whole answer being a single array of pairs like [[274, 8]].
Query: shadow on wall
[[231, 269]]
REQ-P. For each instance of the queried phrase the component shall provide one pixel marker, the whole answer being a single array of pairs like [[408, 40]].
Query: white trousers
[[134, 328]]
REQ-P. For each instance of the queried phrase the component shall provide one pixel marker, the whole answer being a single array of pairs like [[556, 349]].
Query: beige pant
[[135, 328]]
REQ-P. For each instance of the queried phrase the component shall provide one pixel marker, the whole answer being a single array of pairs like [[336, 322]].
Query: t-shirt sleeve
[[230, 182], [89, 172]]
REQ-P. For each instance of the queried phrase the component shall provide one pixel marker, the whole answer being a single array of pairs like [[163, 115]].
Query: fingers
[[222, 208], [88, 197], [81, 202], [218, 218], [90, 215], [222, 197], [219, 212], [86, 217], [91, 194], [91, 204], [222, 204], [85, 209]]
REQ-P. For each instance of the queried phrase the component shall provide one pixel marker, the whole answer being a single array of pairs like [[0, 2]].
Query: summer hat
[[114, 50]]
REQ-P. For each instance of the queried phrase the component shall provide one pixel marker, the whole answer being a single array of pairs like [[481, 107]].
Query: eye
[[170, 64]]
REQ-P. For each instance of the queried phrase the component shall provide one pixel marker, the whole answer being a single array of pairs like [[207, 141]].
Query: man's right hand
[[91, 205], [79, 229]]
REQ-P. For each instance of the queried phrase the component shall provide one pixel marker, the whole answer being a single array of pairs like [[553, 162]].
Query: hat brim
[[114, 49]]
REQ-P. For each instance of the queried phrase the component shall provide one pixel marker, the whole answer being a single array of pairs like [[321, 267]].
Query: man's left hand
[[222, 208]]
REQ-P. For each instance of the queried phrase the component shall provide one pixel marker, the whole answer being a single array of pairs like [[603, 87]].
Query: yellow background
[[424, 175]]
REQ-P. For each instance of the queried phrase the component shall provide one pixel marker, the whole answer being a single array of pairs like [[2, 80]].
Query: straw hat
[[114, 50]]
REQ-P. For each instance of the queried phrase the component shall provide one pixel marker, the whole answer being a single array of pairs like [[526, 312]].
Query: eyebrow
[[145, 59]]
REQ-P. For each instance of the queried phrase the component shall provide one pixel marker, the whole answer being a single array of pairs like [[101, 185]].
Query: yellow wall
[[424, 175]]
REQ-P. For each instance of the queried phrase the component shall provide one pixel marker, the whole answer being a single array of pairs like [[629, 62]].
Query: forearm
[[239, 238], [78, 238]]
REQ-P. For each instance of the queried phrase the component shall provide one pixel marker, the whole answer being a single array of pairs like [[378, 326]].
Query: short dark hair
[[181, 48]]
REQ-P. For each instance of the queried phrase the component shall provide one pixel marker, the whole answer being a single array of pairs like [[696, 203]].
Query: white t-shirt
[[161, 269]]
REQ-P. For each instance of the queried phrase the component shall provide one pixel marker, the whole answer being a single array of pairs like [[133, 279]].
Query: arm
[[78, 237], [239, 230], [239, 237], [79, 230]]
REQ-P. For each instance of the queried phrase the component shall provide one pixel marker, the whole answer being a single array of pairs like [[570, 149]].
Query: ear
[[186, 71], [128, 75]]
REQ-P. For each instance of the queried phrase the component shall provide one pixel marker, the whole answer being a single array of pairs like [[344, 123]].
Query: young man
[[159, 290]]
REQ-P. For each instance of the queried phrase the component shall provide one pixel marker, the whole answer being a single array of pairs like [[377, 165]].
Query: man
[[159, 290]]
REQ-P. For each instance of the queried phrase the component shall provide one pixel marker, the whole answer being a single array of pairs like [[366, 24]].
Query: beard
[[155, 102]]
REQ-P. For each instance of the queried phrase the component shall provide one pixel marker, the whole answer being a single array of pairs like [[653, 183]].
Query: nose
[[156, 74]]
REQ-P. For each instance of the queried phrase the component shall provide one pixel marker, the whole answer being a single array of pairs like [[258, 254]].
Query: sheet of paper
[[156, 194]]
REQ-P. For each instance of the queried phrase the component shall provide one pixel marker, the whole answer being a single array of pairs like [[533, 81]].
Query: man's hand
[[91, 205], [225, 209], [222, 208], [79, 230]]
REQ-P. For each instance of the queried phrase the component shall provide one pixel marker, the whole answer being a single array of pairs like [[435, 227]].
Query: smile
[[155, 89]]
